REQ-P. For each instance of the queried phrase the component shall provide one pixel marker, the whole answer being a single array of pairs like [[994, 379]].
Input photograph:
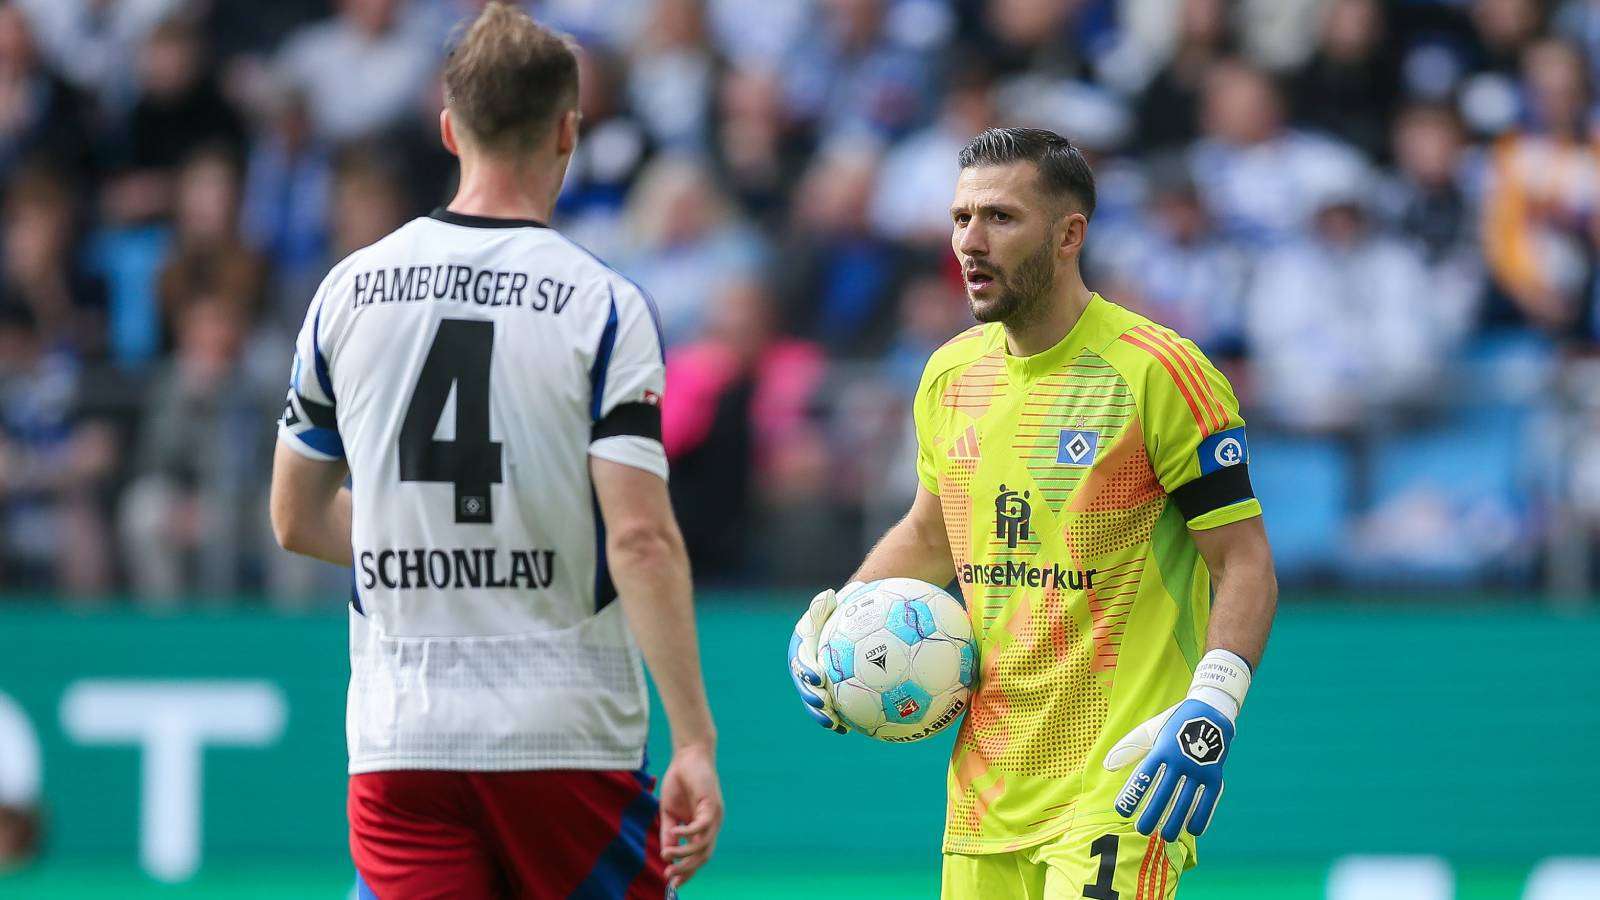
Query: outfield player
[[1085, 478], [493, 392]]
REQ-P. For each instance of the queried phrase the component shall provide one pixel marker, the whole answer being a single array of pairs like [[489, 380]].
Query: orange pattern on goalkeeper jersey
[[1154, 860], [1040, 656], [1172, 345], [978, 386], [966, 446], [1124, 481], [1186, 374], [1088, 598]]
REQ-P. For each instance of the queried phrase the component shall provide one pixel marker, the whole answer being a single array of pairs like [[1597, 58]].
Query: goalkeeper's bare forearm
[[916, 547], [1187, 743], [1246, 587]]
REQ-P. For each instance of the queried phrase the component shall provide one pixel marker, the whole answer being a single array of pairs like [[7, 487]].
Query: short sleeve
[[310, 423], [628, 378], [1193, 432], [923, 410]]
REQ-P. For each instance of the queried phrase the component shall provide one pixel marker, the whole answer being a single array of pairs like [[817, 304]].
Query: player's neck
[[1055, 321], [508, 192]]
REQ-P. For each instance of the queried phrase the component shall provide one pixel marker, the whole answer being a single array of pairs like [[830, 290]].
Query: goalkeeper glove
[[1181, 751], [803, 667]]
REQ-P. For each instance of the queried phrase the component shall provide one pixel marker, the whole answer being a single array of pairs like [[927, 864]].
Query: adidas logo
[[966, 446]]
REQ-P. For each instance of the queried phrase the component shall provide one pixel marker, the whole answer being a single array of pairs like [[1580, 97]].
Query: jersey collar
[[455, 218], [1026, 369]]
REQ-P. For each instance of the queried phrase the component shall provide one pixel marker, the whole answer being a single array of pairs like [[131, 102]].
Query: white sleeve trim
[[632, 450]]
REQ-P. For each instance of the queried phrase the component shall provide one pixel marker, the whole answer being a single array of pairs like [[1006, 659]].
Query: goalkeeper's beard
[[1022, 295]]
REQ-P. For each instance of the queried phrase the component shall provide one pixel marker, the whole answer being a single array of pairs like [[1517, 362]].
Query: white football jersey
[[467, 368]]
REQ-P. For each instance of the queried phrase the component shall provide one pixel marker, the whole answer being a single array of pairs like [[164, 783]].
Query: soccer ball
[[898, 659]]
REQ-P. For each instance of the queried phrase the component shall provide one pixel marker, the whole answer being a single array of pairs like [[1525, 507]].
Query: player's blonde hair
[[509, 79]]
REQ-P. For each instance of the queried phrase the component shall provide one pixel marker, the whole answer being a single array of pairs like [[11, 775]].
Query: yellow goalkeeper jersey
[[1069, 481]]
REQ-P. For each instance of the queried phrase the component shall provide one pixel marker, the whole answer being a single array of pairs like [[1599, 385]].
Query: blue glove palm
[[1182, 752]]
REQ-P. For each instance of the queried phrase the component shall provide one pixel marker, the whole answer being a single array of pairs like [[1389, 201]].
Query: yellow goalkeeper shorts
[[1097, 863]]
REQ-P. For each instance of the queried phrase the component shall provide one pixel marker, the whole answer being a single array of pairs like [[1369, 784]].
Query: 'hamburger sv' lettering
[[479, 567], [460, 284]]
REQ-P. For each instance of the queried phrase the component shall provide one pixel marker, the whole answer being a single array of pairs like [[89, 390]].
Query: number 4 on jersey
[[459, 359]]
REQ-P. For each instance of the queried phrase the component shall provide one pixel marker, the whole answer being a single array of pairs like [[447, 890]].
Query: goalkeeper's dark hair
[[1063, 172], [508, 79]]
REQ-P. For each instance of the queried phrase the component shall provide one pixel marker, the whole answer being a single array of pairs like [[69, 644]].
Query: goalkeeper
[[1085, 476]]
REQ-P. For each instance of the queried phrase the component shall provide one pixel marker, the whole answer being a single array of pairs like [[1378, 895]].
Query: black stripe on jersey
[[455, 218], [320, 415], [1208, 493], [355, 594], [637, 419], [605, 590]]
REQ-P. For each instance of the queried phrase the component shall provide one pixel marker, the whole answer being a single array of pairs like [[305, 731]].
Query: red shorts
[[533, 835]]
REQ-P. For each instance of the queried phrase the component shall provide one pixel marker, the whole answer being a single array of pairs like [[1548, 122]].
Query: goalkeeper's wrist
[[1221, 680]]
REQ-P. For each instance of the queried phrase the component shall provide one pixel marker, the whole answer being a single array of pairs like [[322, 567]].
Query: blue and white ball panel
[[911, 620], [936, 665], [904, 588], [861, 707], [949, 616], [846, 721], [906, 704], [838, 658], [898, 656], [860, 617], [881, 660]]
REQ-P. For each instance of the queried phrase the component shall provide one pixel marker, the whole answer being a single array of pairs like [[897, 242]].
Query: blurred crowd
[[1380, 218]]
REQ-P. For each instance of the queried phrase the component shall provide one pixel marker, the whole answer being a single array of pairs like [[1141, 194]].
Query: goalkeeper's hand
[[803, 666], [1181, 751]]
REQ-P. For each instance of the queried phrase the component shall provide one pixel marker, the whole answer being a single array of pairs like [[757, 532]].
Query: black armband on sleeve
[[1208, 493], [320, 415], [637, 419]]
